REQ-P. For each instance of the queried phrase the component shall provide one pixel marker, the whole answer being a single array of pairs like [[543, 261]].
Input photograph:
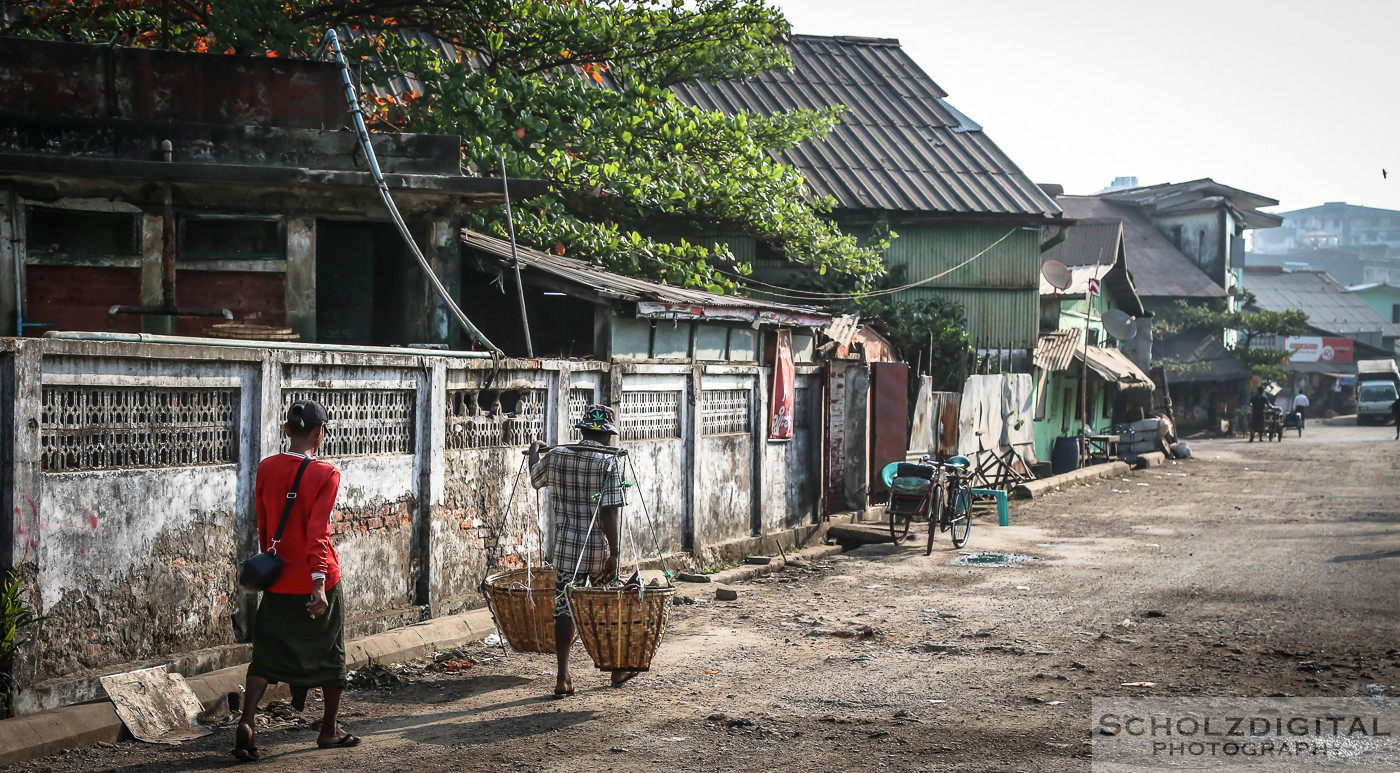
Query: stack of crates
[[1137, 438]]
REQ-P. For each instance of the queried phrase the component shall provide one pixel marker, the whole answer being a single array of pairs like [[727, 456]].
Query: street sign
[[1094, 286]]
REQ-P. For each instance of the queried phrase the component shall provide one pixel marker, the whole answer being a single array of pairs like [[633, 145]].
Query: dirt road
[[1253, 570]]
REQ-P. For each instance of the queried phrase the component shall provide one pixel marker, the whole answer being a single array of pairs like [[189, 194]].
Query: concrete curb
[[750, 571], [1151, 459], [71, 727], [1038, 487]]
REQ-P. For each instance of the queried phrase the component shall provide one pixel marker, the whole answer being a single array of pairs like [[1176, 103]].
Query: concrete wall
[[128, 472]]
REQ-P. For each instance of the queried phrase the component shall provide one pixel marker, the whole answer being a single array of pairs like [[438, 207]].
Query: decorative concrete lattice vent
[[363, 422], [111, 428], [725, 411], [650, 415], [579, 400]]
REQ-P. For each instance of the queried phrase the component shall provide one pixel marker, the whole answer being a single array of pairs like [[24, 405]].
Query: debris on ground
[[376, 675], [992, 559]]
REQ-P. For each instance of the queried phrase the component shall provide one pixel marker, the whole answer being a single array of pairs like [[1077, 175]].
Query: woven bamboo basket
[[523, 604], [620, 631]]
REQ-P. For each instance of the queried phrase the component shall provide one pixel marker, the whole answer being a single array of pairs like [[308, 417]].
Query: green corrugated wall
[[999, 291]]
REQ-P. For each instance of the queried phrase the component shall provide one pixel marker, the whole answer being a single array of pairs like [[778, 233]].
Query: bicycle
[[954, 503], [921, 492]]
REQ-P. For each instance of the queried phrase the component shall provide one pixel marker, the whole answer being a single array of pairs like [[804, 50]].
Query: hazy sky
[[1295, 100]]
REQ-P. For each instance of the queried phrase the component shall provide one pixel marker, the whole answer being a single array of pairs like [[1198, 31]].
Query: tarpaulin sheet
[[995, 415]]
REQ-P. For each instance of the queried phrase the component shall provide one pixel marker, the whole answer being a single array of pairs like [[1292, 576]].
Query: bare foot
[[564, 687]]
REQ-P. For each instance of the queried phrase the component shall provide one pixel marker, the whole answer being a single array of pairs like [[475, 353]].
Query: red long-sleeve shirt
[[306, 543]]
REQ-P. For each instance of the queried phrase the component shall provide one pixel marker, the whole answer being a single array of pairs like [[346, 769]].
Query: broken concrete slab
[[726, 594]]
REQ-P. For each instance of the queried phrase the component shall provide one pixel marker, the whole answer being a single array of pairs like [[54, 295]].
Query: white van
[[1373, 401]]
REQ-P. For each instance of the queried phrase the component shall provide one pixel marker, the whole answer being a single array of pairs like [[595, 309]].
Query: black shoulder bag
[[263, 569]]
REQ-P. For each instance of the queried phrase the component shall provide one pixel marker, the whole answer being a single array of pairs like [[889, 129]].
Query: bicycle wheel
[[899, 524], [935, 517], [960, 516]]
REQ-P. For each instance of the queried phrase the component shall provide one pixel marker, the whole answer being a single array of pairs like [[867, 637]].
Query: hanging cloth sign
[[780, 407]]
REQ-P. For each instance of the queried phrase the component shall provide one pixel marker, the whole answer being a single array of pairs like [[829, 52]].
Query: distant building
[[1181, 242], [1335, 225]]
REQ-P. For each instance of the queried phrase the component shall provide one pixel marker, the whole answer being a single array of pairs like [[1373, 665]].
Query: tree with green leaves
[[576, 92], [1251, 324]]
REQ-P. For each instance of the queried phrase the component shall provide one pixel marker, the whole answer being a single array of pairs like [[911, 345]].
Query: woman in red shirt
[[299, 630]]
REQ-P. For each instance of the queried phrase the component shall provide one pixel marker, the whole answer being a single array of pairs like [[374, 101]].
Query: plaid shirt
[[574, 477]]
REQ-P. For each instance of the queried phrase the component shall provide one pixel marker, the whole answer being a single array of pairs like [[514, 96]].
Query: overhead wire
[[814, 295], [332, 41]]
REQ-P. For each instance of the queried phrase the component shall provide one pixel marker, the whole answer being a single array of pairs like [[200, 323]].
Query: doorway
[[361, 280]]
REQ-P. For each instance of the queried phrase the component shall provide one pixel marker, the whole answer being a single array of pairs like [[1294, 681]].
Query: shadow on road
[[1367, 556], [498, 729]]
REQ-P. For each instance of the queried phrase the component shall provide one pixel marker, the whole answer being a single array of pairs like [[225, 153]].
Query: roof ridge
[[856, 39]]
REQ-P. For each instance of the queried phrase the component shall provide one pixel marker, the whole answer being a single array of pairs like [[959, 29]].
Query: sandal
[[245, 752], [343, 740], [624, 680]]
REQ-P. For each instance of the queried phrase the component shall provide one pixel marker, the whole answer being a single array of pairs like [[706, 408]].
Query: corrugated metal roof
[[1158, 268], [1114, 366], [1088, 243], [1329, 306], [899, 147], [610, 285], [1055, 350]]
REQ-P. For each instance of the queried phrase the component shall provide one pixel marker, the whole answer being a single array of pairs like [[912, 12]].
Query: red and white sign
[[784, 376], [1093, 285], [1317, 349]]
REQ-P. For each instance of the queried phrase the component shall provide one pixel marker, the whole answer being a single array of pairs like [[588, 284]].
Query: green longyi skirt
[[290, 646]]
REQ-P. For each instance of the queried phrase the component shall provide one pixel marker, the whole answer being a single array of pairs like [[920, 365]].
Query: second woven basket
[[619, 630]]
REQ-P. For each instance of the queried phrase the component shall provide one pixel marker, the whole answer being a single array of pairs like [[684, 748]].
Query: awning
[[1059, 349], [1115, 367]]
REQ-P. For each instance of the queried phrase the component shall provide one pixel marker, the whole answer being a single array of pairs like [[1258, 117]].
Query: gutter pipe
[[333, 42], [150, 338]]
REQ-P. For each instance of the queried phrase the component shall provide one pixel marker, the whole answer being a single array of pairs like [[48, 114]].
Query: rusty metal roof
[[899, 147], [1115, 367], [654, 300], [1055, 350], [1058, 349]]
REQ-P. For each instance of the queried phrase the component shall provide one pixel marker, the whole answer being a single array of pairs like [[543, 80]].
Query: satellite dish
[[1119, 324], [1056, 274]]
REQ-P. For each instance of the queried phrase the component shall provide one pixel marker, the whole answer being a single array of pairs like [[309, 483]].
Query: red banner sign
[[1318, 349], [784, 374]]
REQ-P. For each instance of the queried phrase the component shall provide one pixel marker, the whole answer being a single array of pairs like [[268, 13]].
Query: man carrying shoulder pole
[[586, 499]]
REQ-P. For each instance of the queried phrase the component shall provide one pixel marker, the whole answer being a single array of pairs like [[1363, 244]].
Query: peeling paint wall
[[134, 563], [372, 532], [129, 470], [480, 527], [723, 505]]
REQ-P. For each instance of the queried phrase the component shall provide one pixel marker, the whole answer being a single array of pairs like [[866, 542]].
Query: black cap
[[307, 414]]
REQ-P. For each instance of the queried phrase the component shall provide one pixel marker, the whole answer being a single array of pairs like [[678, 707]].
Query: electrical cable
[[814, 295], [332, 41]]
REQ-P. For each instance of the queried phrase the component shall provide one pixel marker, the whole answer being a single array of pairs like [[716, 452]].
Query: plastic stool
[[1003, 517]]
